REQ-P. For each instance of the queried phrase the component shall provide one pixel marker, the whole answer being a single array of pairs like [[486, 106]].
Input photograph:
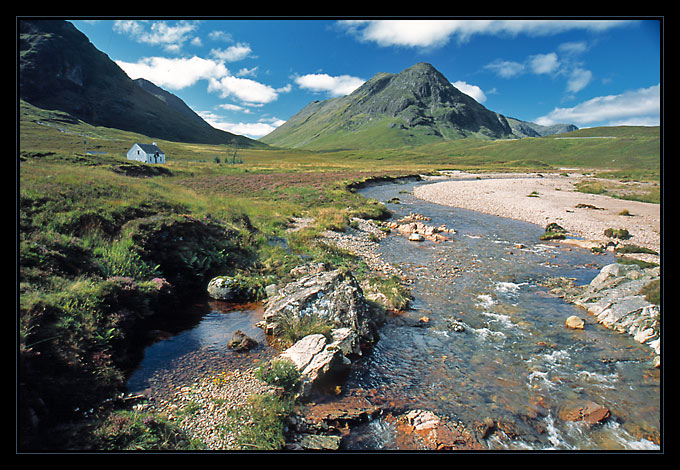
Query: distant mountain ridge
[[530, 129], [61, 70], [416, 106]]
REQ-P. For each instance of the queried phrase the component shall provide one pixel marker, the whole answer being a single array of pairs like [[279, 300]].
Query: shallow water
[[515, 362], [194, 344]]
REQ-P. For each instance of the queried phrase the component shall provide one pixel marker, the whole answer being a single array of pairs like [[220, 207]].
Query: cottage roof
[[149, 148]]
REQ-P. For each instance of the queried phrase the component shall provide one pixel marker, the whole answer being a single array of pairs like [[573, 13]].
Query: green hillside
[[414, 107]]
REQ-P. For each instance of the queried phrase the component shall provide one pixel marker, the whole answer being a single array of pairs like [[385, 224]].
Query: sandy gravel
[[507, 195]]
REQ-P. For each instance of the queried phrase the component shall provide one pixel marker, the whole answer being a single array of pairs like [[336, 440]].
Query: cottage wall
[[137, 153]]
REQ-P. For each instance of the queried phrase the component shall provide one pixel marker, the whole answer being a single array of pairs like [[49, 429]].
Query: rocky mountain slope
[[61, 70], [416, 106]]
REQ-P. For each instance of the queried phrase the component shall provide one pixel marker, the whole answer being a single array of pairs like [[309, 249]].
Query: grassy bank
[[105, 244]]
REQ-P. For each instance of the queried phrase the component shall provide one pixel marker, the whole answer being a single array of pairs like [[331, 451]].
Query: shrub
[[397, 295], [260, 426], [280, 373], [652, 292], [132, 430], [635, 249], [620, 233], [554, 231], [295, 327]]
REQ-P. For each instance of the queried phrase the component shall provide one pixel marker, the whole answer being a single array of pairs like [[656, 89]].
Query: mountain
[[168, 98], [530, 129], [416, 106], [61, 70]]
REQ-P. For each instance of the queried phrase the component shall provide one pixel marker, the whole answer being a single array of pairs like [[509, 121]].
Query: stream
[[515, 362]]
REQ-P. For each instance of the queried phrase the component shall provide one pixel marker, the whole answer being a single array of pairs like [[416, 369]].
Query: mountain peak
[[417, 105]]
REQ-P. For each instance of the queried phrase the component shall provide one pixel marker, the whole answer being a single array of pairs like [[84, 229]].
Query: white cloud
[[573, 48], [335, 86], [232, 53], [471, 90], [254, 130], [433, 33], [173, 74], [234, 107], [244, 89], [578, 79], [158, 33], [544, 63], [636, 106], [506, 68]]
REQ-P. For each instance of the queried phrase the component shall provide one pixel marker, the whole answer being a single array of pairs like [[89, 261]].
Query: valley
[[115, 256]]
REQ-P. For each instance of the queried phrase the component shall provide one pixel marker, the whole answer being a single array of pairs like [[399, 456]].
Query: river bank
[[545, 198]]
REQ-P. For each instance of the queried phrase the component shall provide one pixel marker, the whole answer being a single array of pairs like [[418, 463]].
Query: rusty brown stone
[[589, 412]]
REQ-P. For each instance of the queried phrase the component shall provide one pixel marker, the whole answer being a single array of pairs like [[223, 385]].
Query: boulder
[[331, 295], [317, 359], [224, 288], [241, 342], [614, 298], [574, 322]]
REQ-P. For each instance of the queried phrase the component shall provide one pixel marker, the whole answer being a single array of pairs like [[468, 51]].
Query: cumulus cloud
[[254, 130], [173, 73], [244, 89], [170, 37], [232, 53], [578, 79], [632, 108], [548, 64], [335, 86], [471, 90], [544, 63], [434, 33]]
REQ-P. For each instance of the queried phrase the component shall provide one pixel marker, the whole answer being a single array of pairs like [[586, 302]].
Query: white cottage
[[148, 153]]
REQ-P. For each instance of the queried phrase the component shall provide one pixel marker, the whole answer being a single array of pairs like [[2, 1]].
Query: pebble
[[358, 241], [202, 409]]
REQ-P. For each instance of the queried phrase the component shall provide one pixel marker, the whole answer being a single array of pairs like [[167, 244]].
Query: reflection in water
[[200, 348]]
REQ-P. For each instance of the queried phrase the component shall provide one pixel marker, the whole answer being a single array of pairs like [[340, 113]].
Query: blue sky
[[248, 76]]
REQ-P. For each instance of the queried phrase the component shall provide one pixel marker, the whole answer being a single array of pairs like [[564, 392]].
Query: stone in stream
[[334, 297]]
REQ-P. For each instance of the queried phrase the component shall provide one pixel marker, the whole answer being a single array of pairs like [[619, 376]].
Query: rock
[[307, 269], [421, 419], [225, 288], [320, 442], [271, 290], [416, 237], [614, 298], [241, 342], [315, 359], [589, 412], [575, 322], [425, 430], [332, 295], [456, 325]]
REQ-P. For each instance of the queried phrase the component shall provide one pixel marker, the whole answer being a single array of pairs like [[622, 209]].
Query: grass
[[98, 235]]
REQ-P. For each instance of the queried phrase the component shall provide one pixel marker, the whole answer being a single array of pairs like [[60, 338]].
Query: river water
[[514, 363]]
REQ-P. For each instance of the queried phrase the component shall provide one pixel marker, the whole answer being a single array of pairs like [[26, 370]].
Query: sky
[[249, 75]]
